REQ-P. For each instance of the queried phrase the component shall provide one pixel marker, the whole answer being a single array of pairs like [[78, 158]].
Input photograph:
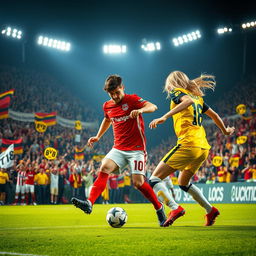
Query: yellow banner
[[240, 109], [234, 161], [50, 153], [40, 126], [217, 161], [78, 125], [241, 139]]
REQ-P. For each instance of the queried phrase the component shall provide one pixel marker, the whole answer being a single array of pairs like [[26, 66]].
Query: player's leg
[[140, 183], [110, 163], [146, 190], [156, 181], [108, 166], [174, 160], [169, 185], [184, 183], [163, 193], [137, 163]]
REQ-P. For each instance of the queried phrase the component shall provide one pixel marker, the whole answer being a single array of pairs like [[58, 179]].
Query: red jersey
[[30, 177], [129, 133], [113, 181], [21, 178]]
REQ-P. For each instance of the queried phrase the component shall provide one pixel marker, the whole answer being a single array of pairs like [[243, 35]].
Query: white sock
[[196, 193], [163, 193]]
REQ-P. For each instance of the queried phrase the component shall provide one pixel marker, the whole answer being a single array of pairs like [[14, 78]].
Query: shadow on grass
[[141, 228], [202, 228], [224, 228]]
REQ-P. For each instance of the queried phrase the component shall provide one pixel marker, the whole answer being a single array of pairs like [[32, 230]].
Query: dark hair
[[112, 82]]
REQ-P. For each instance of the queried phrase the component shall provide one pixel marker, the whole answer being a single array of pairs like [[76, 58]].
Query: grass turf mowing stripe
[[64, 230], [17, 253]]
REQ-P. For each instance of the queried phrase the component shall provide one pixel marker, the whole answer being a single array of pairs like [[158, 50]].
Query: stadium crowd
[[36, 180], [40, 92]]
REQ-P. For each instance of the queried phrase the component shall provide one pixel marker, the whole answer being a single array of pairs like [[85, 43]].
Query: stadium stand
[[39, 92]]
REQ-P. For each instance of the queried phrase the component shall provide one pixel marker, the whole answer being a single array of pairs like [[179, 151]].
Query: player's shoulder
[[131, 96], [107, 104], [177, 91], [134, 97]]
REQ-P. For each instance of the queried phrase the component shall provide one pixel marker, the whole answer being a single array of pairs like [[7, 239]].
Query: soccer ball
[[116, 217]]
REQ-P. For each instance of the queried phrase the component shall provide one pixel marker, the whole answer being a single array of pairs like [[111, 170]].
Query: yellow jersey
[[253, 171], [127, 180], [4, 177], [41, 179], [188, 123]]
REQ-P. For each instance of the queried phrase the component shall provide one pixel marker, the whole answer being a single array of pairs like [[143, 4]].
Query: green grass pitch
[[66, 230]]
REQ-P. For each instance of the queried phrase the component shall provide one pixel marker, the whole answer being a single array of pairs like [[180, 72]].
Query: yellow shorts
[[184, 158], [54, 191]]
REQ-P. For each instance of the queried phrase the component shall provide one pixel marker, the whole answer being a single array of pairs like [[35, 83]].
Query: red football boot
[[173, 215], [211, 216]]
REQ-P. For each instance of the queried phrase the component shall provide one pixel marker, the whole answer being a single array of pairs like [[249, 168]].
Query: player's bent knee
[[185, 188], [137, 184], [106, 169], [152, 183]]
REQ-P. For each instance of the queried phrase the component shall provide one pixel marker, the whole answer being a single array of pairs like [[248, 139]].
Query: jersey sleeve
[[176, 95], [105, 111], [138, 102], [205, 107]]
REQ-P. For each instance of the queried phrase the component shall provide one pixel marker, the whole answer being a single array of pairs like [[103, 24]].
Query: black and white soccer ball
[[116, 217]]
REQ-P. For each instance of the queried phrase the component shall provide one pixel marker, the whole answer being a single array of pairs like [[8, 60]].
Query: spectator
[[20, 185], [54, 187], [75, 182], [30, 183], [41, 181], [4, 178]]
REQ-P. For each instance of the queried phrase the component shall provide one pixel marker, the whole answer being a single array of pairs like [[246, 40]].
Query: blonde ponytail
[[178, 79]]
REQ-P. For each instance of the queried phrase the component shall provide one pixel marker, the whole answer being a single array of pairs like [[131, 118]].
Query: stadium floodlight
[[224, 30], [53, 43], [114, 49], [186, 38], [151, 46], [251, 24], [12, 32]]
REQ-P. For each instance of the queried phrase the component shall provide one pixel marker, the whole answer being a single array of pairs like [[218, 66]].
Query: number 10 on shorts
[[138, 165]]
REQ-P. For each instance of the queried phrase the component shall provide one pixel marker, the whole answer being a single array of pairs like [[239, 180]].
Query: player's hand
[[92, 140], [229, 130], [135, 113], [157, 121]]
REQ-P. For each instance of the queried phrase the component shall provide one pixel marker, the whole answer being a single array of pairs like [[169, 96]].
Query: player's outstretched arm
[[186, 101], [105, 124], [218, 121], [148, 107]]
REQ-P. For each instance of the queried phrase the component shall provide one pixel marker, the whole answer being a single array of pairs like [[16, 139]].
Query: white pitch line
[[17, 253], [52, 227], [81, 226]]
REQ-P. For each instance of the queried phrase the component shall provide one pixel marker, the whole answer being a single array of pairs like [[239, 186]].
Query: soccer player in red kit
[[29, 184], [124, 112]]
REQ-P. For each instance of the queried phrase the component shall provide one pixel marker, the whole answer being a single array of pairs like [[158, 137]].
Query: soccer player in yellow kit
[[187, 107]]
